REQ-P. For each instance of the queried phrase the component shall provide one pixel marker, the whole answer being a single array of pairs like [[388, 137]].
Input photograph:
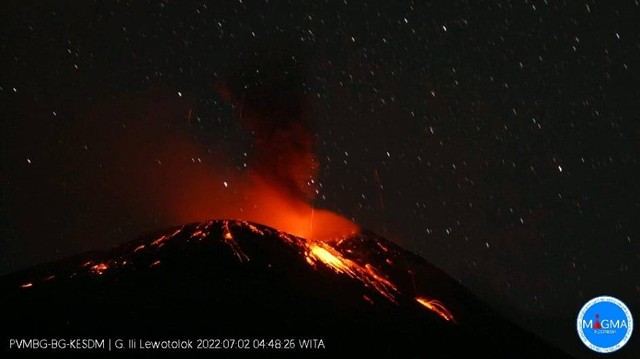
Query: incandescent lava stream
[[228, 278]]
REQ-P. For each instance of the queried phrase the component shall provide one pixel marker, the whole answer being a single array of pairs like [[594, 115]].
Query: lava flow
[[231, 277], [335, 256], [316, 251], [436, 307]]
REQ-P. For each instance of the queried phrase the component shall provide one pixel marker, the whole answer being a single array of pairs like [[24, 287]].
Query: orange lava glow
[[436, 307], [231, 242], [276, 186], [253, 198], [321, 252], [330, 259], [316, 253], [181, 181], [278, 209], [99, 268], [160, 241], [275, 183]]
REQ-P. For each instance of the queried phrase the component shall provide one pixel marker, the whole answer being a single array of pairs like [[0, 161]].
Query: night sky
[[499, 140]]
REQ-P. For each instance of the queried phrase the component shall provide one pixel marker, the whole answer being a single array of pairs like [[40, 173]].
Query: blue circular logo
[[605, 324]]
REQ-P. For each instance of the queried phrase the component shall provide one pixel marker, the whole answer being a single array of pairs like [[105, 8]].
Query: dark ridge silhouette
[[227, 278]]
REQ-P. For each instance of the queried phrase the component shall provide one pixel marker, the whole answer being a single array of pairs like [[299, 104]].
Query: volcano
[[239, 280]]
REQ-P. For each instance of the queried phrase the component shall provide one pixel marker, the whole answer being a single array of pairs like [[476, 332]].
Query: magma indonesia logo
[[605, 324]]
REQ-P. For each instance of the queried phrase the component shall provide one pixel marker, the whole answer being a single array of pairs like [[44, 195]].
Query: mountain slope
[[234, 279]]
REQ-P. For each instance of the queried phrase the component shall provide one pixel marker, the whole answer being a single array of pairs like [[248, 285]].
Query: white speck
[[15, 90], [444, 28], [560, 168], [225, 184], [353, 39], [28, 161], [388, 154], [406, 21], [55, 114], [588, 8], [179, 94], [618, 36], [486, 244]]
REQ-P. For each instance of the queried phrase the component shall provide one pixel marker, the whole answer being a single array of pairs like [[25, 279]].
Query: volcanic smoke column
[[283, 171]]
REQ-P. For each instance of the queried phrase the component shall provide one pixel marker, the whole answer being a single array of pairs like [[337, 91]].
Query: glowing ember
[[382, 247], [155, 263], [139, 248], [26, 285], [202, 231], [253, 228], [99, 268], [231, 242], [366, 298], [160, 241], [380, 281], [436, 307]]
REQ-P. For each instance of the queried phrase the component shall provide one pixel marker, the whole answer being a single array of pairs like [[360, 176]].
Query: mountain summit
[[235, 279]]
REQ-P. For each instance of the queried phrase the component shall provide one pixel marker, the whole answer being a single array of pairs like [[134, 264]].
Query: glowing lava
[[316, 251], [231, 242], [99, 268], [436, 307], [322, 254], [343, 256]]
